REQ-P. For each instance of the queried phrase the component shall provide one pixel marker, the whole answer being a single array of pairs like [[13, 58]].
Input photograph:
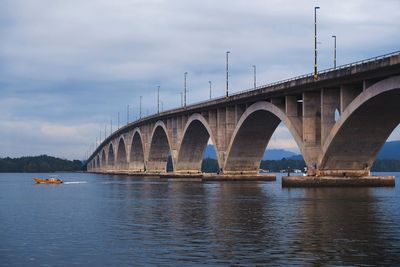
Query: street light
[[158, 99], [254, 70], [315, 42], [210, 88], [140, 108], [334, 51], [227, 72], [184, 90], [127, 115]]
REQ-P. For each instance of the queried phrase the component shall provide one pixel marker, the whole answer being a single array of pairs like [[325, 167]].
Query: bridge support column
[[347, 95], [311, 129], [330, 101]]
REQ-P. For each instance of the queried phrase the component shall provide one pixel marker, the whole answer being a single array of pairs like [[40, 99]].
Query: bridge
[[366, 94]]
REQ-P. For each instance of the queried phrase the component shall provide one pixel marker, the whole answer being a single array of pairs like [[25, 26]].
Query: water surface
[[102, 220]]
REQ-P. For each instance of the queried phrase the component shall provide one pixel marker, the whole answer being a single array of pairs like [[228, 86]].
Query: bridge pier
[[332, 181]]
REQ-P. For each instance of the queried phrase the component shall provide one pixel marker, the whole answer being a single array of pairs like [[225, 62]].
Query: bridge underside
[[250, 142], [192, 148], [358, 141]]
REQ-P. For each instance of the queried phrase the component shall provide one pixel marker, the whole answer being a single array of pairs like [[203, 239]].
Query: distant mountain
[[271, 154], [277, 154], [390, 150], [296, 157], [210, 152]]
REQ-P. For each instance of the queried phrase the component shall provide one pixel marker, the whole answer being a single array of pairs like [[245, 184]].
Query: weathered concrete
[[240, 126], [193, 176], [326, 181]]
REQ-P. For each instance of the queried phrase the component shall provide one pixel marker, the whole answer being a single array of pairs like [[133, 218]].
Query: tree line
[[42, 163], [380, 165]]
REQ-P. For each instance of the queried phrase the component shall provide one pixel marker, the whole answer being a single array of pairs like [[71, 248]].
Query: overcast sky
[[68, 67]]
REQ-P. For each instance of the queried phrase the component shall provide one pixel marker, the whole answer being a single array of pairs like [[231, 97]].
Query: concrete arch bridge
[[366, 94]]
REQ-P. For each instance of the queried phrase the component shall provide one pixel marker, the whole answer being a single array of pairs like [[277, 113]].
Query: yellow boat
[[50, 180]]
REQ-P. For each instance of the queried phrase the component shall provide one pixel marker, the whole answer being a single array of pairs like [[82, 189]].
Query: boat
[[51, 180]]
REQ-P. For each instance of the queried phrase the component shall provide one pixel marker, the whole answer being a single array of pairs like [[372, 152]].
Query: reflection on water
[[114, 220]]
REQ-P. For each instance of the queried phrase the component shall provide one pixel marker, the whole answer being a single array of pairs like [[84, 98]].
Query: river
[[104, 220]]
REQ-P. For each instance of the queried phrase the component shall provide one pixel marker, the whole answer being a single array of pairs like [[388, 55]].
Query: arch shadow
[[136, 159], [159, 149], [362, 129], [111, 157], [196, 134], [252, 135], [121, 160]]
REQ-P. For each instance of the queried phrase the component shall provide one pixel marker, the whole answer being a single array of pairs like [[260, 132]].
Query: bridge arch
[[136, 159], [355, 140], [110, 157], [196, 134], [251, 137], [121, 159], [159, 149], [103, 159], [98, 161]]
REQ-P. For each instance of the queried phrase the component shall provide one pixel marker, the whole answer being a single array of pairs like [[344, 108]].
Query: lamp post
[[158, 99], [334, 51], [315, 42], [210, 88], [254, 72], [140, 107], [227, 73], [181, 93], [118, 122], [127, 115], [184, 89]]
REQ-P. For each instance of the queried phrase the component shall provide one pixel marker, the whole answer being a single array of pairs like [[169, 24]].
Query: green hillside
[[42, 163]]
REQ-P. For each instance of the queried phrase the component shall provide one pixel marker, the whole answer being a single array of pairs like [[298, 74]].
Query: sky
[[67, 68]]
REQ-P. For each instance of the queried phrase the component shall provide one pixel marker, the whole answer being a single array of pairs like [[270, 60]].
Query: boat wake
[[79, 182]]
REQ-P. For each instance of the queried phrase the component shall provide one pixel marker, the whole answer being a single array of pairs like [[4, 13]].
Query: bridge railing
[[308, 75]]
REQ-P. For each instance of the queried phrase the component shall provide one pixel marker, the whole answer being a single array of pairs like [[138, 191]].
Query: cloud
[[70, 63]]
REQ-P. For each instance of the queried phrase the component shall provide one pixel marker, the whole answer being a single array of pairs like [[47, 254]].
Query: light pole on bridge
[[184, 89], [127, 114], [210, 88], [158, 99], [118, 121], [254, 72], [140, 108], [315, 42], [227, 73], [334, 51]]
